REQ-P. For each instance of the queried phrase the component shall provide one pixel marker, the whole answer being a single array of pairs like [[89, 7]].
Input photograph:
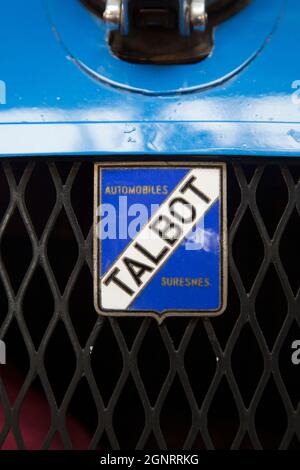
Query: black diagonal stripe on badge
[[145, 255]]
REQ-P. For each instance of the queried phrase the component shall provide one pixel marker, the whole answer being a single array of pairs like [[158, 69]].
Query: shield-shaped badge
[[160, 239]]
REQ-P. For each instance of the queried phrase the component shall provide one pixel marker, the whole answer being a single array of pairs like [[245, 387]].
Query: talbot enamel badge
[[160, 245]]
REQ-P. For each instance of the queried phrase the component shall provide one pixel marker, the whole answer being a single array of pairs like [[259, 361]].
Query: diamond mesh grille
[[74, 380]]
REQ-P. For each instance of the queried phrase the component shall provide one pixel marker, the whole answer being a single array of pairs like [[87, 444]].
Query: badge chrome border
[[224, 244]]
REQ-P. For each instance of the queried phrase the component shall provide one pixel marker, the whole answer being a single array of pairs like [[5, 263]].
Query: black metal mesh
[[74, 380]]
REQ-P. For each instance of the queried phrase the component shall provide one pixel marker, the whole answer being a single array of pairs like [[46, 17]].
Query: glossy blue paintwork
[[56, 104]]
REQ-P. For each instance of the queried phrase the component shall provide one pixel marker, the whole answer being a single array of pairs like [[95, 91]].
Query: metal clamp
[[192, 15]]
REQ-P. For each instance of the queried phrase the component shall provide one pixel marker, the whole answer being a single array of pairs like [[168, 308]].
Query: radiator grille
[[85, 382]]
